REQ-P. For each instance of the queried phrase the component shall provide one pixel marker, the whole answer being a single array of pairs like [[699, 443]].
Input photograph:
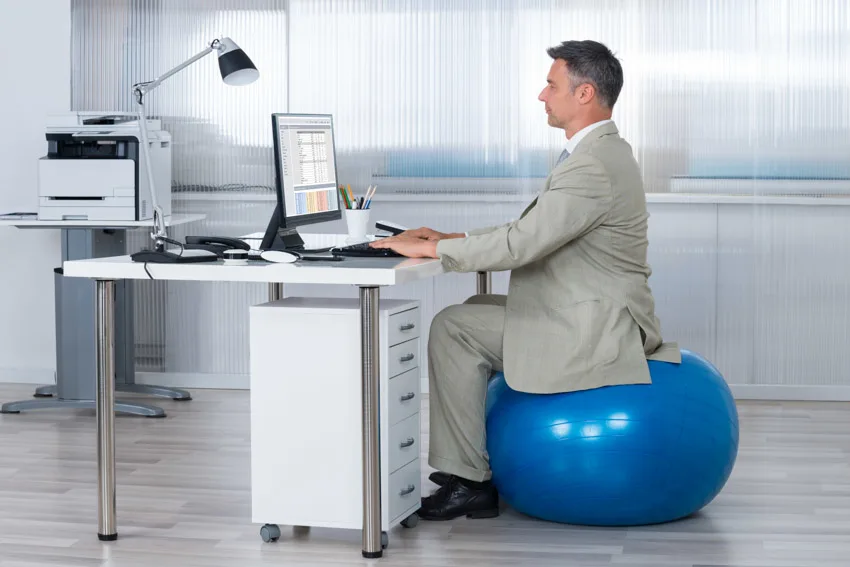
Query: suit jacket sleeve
[[484, 230], [577, 201]]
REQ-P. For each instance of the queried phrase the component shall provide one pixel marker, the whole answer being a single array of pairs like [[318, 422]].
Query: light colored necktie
[[564, 155]]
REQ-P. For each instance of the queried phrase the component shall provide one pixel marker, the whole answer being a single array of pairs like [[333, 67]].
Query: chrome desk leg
[[369, 340], [275, 291], [105, 410], [484, 283]]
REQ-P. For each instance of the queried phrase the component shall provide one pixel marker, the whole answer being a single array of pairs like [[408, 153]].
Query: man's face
[[561, 104]]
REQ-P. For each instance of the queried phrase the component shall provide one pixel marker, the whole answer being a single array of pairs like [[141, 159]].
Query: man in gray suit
[[579, 313]]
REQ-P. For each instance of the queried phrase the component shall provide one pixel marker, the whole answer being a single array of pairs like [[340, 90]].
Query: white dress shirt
[[578, 136]]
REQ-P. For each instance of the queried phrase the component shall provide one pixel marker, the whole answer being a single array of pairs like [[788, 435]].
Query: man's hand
[[424, 233], [407, 246], [416, 243]]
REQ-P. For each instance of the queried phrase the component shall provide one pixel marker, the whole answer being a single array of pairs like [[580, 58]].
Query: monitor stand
[[281, 237], [285, 238], [288, 239]]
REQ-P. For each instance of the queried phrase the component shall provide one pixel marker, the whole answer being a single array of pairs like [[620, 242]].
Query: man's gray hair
[[591, 62]]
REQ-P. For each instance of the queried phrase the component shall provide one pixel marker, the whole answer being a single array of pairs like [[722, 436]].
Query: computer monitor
[[305, 177]]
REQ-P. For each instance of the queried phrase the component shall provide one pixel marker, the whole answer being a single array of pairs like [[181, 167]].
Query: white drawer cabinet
[[404, 396], [306, 420], [403, 326], [403, 357]]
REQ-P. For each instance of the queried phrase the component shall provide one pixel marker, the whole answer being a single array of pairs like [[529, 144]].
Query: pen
[[344, 197], [369, 197]]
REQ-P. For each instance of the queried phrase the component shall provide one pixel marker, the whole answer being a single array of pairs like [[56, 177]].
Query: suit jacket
[[579, 310]]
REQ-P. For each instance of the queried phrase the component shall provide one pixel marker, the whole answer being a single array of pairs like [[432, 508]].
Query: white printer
[[93, 169]]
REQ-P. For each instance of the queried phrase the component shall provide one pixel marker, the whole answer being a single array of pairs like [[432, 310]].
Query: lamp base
[[166, 257]]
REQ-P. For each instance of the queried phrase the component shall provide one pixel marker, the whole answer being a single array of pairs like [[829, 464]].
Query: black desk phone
[[217, 244]]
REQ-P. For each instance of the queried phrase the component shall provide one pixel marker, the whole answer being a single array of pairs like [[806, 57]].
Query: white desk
[[368, 274]]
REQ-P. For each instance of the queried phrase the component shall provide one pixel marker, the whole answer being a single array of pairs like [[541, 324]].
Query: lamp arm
[[141, 89], [160, 235]]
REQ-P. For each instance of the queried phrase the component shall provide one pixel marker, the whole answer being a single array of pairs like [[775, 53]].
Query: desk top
[[173, 220], [350, 271]]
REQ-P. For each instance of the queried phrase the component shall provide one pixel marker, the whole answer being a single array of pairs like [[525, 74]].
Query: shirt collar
[[577, 137]]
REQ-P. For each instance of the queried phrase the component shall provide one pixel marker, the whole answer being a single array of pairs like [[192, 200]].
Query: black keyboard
[[365, 251]]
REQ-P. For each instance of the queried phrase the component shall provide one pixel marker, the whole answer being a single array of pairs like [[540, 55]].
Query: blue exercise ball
[[619, 455]]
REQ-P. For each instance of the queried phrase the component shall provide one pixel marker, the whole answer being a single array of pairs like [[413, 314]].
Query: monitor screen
[[305, 159]]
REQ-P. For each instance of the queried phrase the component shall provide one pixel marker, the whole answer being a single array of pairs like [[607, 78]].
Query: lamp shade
[[236, 67]]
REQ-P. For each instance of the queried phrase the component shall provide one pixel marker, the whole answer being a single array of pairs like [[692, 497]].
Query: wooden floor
[[184, 500]]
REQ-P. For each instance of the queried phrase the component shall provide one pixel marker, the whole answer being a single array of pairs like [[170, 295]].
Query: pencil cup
[[357, 221]]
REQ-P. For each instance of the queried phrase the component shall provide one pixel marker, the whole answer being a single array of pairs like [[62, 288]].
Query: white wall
[[763, 291], [36, 74]]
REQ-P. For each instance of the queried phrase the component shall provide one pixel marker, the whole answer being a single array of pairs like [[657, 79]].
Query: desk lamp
[[237, 69]]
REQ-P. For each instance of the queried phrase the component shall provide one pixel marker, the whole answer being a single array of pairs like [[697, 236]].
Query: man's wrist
[[432, 248]]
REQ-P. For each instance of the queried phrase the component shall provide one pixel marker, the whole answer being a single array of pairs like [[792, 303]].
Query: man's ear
[[586, 93]]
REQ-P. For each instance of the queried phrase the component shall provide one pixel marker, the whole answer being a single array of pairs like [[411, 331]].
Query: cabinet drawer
[[404, 396], [403, 326], [404, 442], [403, 357], [405, 489]]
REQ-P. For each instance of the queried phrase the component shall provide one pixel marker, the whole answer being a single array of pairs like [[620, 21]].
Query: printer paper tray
[[86, 178], [87, 189], [87, 210]]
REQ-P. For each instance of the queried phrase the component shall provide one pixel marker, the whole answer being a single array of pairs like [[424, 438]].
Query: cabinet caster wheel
[[385, 540], [270, 533], [410, 521]]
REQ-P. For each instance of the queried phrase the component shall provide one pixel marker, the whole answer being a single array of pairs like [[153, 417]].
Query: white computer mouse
[[278, 256]]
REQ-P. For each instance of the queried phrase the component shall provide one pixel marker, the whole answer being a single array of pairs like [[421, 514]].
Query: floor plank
[[184, 500]]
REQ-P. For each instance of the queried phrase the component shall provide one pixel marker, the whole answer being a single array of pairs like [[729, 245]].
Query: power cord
[[174, 242], [169, 241]]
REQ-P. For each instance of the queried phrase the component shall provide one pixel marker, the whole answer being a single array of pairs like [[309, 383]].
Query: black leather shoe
[[439, 478], [460, 497]]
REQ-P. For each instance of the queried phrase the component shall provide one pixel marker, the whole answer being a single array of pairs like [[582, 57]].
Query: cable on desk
[[147, 271]]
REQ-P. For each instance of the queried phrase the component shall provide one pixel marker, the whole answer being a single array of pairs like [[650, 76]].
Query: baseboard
[[783, 392], [766, 392], [40, 376], [208, 381], [194, 380]]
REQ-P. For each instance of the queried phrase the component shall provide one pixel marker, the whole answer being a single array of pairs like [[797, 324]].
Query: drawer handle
[[407, 357], [407, 327], [405, 491], [410, 441], [408, 396]]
